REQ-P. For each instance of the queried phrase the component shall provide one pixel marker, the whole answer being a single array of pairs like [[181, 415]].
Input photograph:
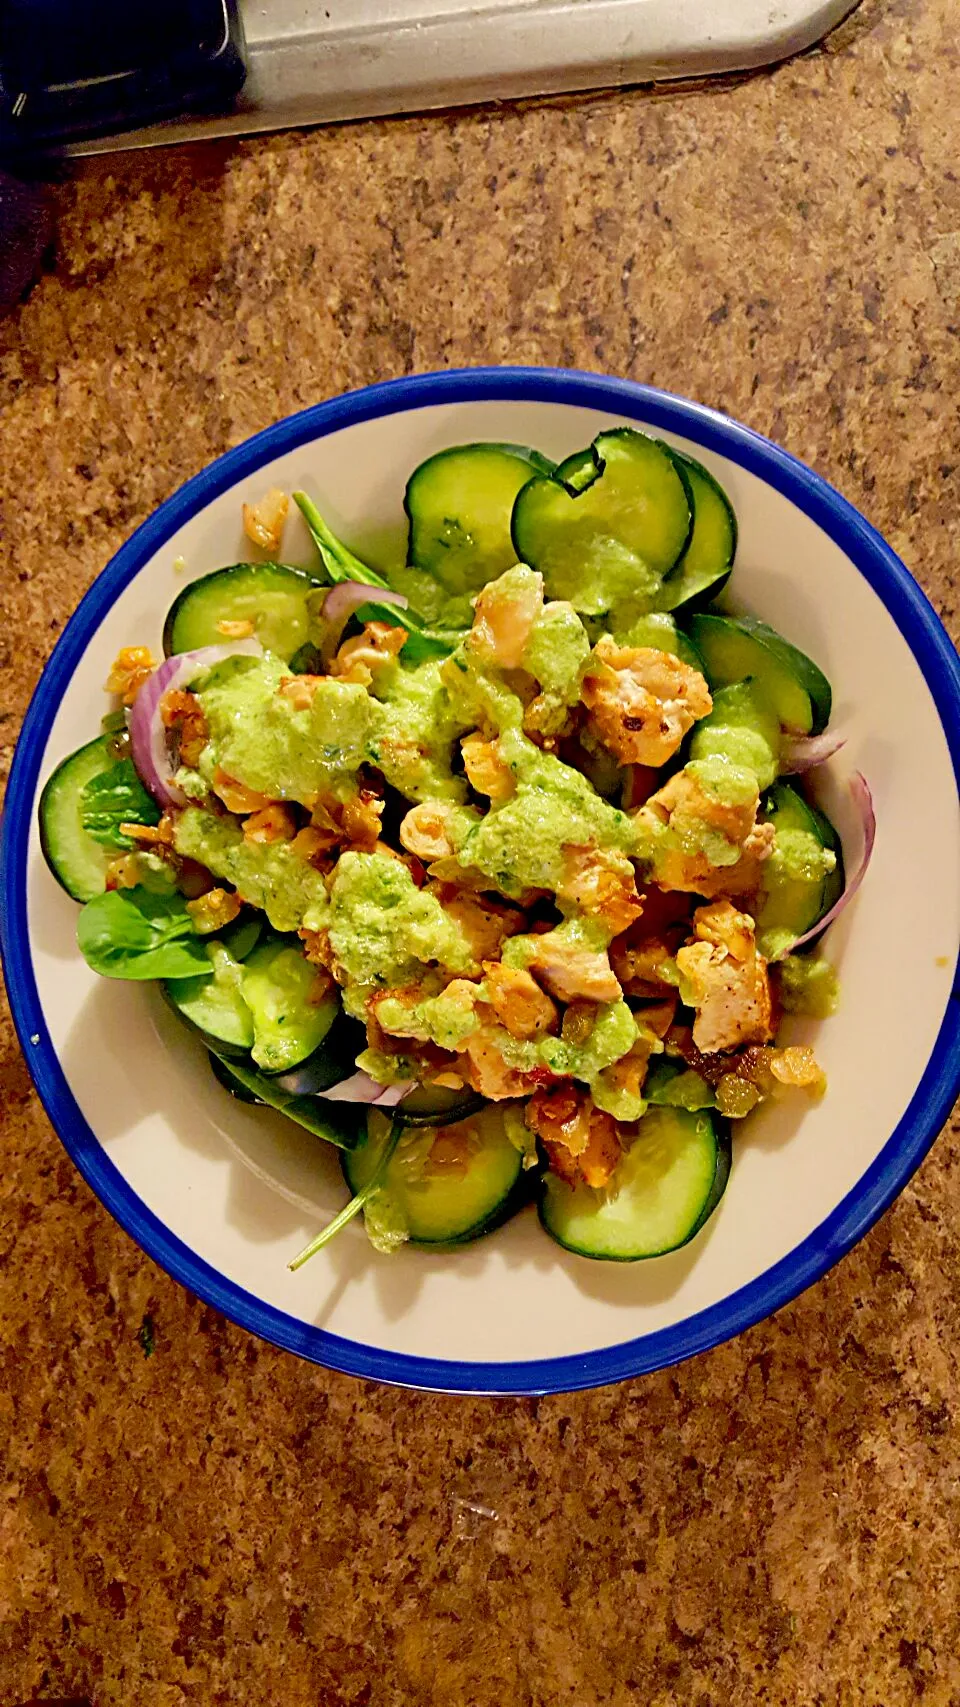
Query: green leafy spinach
[[116, 796], [135, 933]]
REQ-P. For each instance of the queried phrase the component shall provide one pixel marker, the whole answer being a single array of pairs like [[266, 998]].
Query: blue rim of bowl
[[939, 1086]]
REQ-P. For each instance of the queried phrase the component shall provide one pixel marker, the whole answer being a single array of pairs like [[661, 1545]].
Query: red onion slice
[[361, 1088], [863, 800], [149, 745], [340, 604], [806, 751]]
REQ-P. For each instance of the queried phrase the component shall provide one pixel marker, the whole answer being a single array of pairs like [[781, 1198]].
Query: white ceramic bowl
[[222, 1196]]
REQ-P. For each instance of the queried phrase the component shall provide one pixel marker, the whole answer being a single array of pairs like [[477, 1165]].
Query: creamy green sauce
[[808, 986], [719, 779], [793, 879], [266, 874], [385, 931], [520, 843], [258, 737], [742, 729], [415, 722]]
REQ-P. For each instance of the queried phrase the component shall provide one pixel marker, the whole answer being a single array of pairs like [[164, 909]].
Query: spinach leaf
[[134, 933], [115, 797], [337, 559]]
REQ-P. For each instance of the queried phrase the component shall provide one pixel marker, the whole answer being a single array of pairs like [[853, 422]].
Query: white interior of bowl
[[245, 1190]]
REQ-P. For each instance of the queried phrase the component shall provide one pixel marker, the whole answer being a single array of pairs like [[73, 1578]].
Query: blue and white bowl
[[223, 1195]]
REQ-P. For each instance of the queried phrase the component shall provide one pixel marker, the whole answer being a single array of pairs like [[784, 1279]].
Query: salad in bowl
[[498, 871]]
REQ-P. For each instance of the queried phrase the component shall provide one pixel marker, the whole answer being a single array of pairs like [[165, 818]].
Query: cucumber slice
[[734, 648], [215, 1009], [434, 1105], [612, 539], [795, 899], [659, 630], [444, 1209], [665, 1188], [704, 569], [78, 861], [273, 597], [342, 1124], [331, 1061], [241, 937], [278, 987], [459, 504], [230, 1083], [743, 728]]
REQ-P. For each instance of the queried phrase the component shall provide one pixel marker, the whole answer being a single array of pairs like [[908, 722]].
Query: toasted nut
[[236, 796], [128, 672], [424, 831], [263, 523], [213, 910], [274, 823], [486, 771], [242, 629], [299, 690], [181, 710]]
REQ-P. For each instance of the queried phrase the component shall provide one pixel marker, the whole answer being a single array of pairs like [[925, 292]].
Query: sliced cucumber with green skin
[[613, 539], [793, 900], [578, 471], [278, 986], [435, 1105], [446, 1209], [734, 648], [78, 861], [342, 1124], [332, 1060], [659, 630], [271, 596], [704, 569], [459, 504], [231, 1083], [215, 1009], [663, 1191], [243, 934], [743, 728]]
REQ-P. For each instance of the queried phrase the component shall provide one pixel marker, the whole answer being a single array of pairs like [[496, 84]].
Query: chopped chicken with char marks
[[486, 1070], [236, 796], [715, 845], [726, 980], [273, 823], [601, 883], [581, 1141], [568, 970], [518, 1001], [485, 923], [505, 613], [642, 702]]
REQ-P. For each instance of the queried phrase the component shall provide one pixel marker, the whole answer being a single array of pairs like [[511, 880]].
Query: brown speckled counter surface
[[218, 1523]]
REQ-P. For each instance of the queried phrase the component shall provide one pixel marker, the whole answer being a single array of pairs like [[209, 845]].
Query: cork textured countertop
[[216, 1523]]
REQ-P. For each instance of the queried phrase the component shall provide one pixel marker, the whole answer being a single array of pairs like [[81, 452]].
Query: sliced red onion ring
[[361, 1088], [149, 745], [806, 751], [863, 800], [340, 604]]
